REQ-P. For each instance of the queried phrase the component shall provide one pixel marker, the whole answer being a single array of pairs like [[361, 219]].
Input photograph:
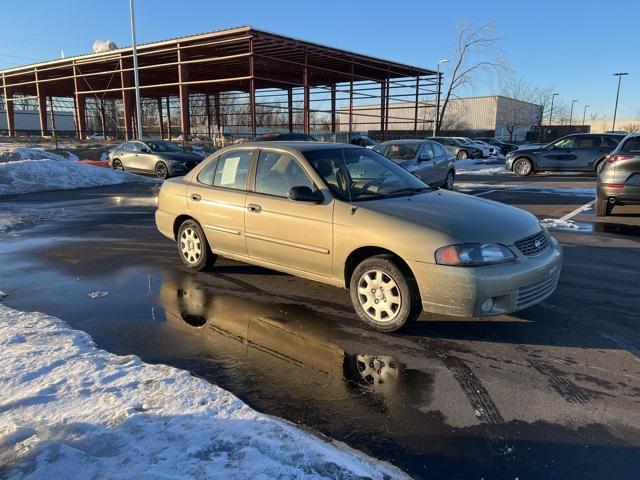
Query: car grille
[[533, 245], [536, 291]]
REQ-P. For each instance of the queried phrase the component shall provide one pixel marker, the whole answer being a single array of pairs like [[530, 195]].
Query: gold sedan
[[347, 216]]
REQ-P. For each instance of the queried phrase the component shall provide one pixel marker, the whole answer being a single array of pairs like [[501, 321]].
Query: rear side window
[[632, 146], [611, 141], [277, 172], [207, 173], [438, 149], [232, 170], [589, 142]]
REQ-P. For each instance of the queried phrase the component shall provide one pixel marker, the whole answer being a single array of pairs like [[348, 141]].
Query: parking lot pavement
[[550, 392]]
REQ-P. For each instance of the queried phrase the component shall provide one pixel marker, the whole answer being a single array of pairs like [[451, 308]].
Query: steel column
[[415, 112], [183, 76], [216, 117], [160, 119], [8, 106], [386, 111], [290, 107], [383, 103], [351, 103], [127, 107], [252, 90], [169, 116], [306, 100], [103, 121], [333, 108], [42, 106], [207, 106]]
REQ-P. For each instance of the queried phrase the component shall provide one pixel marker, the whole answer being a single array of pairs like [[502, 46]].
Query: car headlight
[[473, 254]]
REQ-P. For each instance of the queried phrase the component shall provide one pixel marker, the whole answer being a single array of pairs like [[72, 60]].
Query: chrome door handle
[[252, 207], [195, 197]]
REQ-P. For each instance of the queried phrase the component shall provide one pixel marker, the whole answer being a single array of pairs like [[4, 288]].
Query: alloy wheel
[[379, 296], [522, 167], [190, 245], [161, 171], [117, 165], [450, 180]]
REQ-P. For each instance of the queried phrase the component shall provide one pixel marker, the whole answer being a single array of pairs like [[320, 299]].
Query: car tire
[[384, 296], [117, 165], [162, 171], [462, 154], [193, 246], [522, 167], [603, 207], [449, 180]]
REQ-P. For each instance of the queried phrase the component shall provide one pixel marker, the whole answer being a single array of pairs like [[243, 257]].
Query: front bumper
[[461, 291], [626, 194], [177, 169], [508, 163]]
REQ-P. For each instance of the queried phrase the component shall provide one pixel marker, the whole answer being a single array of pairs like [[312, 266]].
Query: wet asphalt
[[550, 392]]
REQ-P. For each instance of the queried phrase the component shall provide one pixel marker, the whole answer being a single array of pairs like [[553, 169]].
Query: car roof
[[406, 140], [293, 145]]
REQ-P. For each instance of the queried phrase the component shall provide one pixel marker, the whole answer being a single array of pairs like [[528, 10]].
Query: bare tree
[[476, 53], [520, 112], [631, 127]]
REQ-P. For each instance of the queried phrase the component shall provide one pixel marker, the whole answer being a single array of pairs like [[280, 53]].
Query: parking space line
[[484, 193], [578, 210]]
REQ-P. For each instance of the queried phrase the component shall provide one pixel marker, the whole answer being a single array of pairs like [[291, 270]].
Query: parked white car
[[484, 147]]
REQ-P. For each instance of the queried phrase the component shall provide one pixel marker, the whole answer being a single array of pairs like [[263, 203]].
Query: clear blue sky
[[573, 46]]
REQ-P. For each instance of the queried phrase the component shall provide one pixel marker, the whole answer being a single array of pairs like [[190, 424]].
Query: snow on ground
[[479, 167], [25, 176], [584, 192], [70, 410], [562, 224]]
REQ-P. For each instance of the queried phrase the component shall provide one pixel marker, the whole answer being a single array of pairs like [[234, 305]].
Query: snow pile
[[25, 176], [473, 167], [100, 46], [70, 410]]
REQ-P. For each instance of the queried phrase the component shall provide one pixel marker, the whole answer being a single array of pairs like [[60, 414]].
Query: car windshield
[[402, 151], [164, 147], [356, 174]]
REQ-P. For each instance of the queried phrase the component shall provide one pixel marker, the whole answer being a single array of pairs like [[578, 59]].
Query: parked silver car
[[427, 160], [164, 159]]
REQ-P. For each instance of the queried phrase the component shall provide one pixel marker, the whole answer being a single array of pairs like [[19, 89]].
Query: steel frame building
[[267, 71]]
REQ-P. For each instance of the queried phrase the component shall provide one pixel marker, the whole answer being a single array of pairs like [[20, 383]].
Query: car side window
[[610, 142], [438, 150], [631, 146], [127, 146], [568, 142], [426, 153], [233, 169], [207, 173], [277, 172], [589, 142]]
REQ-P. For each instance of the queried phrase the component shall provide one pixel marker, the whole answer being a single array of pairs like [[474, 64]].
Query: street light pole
[[584, 114], [553, 97], [571, 114], [435, 125], [615, 110], [135, 70]]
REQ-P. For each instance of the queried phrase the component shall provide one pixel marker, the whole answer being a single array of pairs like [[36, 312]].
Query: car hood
[[467, 218], [181, 157]]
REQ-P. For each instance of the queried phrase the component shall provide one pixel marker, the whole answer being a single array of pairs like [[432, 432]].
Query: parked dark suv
[[582, 152], [619, 178]]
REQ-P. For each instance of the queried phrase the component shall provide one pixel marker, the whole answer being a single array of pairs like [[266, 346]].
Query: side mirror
[[304, 194], [425, 157]]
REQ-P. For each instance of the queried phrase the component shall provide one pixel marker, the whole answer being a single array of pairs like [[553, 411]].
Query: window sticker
[[229, 171]]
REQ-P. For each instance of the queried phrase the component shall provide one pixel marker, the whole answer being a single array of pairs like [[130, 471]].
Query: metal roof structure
[[241, 59]]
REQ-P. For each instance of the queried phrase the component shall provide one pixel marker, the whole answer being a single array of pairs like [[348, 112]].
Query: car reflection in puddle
[[289, 353]]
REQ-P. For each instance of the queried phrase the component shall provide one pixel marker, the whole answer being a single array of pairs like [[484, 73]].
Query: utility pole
[[135, 70], [615, 110], [435, 125]]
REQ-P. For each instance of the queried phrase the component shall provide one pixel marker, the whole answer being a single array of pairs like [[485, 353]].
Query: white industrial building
[[28, 121], [504, 117]]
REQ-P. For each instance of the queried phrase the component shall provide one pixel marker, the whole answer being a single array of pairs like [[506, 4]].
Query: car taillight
[[619, 156]]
